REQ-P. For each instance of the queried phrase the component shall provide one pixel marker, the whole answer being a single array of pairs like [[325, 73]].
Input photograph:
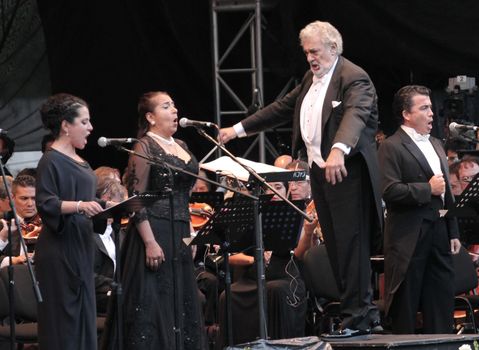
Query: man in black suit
[[104, 267], [105, 249], [23, 195], [418, 242], [334, 112]]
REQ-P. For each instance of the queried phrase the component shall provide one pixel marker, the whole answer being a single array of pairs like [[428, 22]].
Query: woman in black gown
[[148, 277], [65, 197]]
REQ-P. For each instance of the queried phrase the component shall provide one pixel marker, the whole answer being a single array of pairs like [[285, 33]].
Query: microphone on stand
[[455, 127], [185, 122], [103, 141], [255, 104]]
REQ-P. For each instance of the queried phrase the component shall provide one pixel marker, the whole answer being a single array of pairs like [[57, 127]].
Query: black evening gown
[[148, 296], [64, 256]]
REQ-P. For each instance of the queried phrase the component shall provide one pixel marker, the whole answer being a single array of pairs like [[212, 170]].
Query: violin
[[32, 227], [474, 249], [311, 211], [200, 213]]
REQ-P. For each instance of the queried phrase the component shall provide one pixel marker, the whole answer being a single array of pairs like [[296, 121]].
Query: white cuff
[[5, 262], [239, 130], [3, 244], [345, 148]]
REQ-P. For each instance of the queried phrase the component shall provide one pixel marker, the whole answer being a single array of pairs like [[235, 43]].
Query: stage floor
[[409, 341]]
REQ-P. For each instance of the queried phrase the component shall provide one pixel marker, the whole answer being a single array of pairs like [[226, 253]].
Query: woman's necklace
[[170, 143]]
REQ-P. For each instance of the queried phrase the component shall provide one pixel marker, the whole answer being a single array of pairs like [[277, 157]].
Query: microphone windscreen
[[183, 122], [452, 129], [102, 142]]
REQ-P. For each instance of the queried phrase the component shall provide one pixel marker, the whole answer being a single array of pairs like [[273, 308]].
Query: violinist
[[201, 185], [205, 259], [23, 195], [285, 290], [301, 190], [200, 212]]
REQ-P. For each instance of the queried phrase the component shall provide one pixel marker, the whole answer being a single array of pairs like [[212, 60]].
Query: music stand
[[466, 210], [232, 226], [214, 199], [116, 212]]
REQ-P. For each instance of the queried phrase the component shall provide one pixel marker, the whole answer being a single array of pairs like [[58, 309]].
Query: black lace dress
[[148, 296]]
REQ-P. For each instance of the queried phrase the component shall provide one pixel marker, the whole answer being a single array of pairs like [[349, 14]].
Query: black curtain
[[24, 74], [110, 52]]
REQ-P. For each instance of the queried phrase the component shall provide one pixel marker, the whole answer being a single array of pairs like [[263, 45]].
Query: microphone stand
[[259, 257], [177, 286], [471, 139], [11, 281]]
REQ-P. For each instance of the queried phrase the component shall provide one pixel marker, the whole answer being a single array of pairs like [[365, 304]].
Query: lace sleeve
[[138, 175]]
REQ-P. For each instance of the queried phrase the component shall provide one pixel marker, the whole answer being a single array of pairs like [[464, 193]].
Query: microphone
[[455, 127], [255, 104], [103, 141], [185, 122]]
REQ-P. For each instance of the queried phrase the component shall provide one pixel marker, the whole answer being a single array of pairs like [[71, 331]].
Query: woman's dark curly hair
[[58, 108]]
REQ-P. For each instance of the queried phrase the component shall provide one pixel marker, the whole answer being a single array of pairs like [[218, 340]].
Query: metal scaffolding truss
[[251, 30]]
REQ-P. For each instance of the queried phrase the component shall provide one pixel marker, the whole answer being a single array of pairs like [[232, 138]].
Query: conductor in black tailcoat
[[334, 114], [418, 243]]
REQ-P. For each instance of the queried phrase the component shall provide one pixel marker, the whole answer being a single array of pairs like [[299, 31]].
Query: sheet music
[[228, 167]]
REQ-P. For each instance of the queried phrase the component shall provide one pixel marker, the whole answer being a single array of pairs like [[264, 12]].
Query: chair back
[[24, 296], [465, 274], [4, 309], [318, 274]]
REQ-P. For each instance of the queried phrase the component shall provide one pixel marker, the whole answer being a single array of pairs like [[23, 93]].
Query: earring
[[152, 123], [67, 134]]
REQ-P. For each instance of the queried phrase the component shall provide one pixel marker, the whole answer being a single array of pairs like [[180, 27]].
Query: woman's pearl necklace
[[169, 142]]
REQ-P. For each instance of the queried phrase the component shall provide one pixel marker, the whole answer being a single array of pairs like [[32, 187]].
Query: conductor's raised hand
[[334, 168], [226, 134], [154, 255]]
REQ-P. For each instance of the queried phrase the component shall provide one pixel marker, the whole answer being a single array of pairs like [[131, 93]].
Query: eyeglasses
[[466, 179], [298, 183], [453, 159]]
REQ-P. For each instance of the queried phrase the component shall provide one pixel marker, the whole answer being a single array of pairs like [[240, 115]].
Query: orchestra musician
[[285, 290], [301, 190], [109, 189], [23, 195]]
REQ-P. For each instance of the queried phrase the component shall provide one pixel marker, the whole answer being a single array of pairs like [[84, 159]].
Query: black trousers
[[428, 285], [347, 217]]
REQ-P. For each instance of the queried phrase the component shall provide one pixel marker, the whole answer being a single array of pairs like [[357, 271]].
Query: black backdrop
[[109, 52]]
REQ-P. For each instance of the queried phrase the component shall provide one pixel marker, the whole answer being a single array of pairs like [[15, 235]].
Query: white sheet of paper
[[228, 167]]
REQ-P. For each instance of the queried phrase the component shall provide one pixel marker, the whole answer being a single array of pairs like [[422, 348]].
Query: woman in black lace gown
[[148, 278]]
